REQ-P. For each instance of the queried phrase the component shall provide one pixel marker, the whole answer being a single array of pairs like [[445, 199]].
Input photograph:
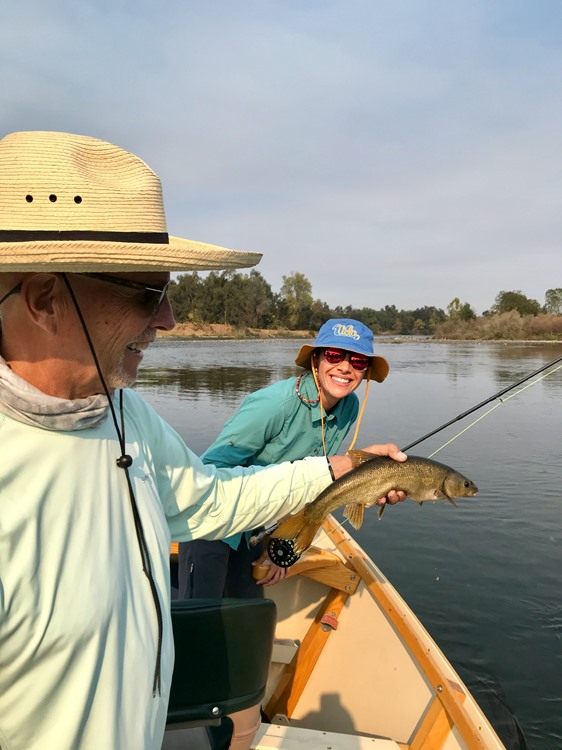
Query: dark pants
[[213, 570]]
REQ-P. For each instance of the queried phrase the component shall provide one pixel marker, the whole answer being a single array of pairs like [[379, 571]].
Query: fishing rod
[[258, 537], [499, 394]]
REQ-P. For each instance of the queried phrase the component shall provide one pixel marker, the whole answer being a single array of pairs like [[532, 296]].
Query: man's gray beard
[[119, 379]]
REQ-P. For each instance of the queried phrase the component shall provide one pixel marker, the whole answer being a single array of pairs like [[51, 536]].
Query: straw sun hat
[[74, 203]]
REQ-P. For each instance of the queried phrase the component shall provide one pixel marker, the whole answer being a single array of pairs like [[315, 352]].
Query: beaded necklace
[[304, 398]]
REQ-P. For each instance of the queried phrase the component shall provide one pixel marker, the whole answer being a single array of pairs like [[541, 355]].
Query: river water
[[484, 578]]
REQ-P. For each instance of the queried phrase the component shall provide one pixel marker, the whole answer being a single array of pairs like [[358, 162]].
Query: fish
[[371, 479]]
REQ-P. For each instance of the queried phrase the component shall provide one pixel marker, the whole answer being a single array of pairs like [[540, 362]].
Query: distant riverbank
[[220, 331]]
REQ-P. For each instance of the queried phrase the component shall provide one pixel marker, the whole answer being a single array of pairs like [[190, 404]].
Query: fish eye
[[467, 483]]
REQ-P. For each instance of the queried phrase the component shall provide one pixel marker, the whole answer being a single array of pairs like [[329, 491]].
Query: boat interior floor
[[277, 737]]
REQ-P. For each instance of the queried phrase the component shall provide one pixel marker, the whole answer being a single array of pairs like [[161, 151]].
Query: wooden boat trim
[[327, 568], [446, 691], [289, 690], [434, 729], [445, 710]]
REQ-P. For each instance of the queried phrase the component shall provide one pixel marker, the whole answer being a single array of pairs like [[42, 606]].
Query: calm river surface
[[485, 578]]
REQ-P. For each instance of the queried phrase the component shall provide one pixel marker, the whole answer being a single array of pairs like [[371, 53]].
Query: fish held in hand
[[371, 479]]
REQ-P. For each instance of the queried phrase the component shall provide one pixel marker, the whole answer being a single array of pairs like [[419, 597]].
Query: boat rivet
[[215, 710], [348, 588], [439, 688], [353, 578]]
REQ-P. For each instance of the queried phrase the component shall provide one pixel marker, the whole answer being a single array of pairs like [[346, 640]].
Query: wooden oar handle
[[260, 571], [311, 558]]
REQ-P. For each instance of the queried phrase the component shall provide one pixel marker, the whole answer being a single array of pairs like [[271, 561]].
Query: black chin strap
[[124, 462]]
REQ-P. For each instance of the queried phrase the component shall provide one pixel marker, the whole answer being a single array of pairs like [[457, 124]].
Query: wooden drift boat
[[353, 667]]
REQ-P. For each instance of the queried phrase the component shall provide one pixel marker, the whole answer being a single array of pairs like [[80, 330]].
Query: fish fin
[[450, 499], [359, 457], [354, 513], [421, 503], [290, 527], [381, 511], [305, 537], [298, 530]]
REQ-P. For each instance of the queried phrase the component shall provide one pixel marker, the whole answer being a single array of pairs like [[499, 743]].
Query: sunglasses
[[15, 290], [359, 362], [152, 296]]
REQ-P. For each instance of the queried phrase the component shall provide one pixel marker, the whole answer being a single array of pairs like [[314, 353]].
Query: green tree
[[248, 301], [515, 300], [429, 316], [320, 314], [388, 317], [553, 301], [186, 297], [215, 309], [296, 293], [457, 310]]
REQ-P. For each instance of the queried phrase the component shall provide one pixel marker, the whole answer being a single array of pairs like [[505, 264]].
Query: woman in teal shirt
[[308, 415]]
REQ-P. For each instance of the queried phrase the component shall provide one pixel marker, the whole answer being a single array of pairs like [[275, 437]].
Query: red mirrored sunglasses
[[359, 362]]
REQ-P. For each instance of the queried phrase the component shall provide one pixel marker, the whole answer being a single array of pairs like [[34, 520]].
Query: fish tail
[[297, 529]]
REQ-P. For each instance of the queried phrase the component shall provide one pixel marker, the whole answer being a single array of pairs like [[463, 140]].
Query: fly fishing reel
[[282, 552]]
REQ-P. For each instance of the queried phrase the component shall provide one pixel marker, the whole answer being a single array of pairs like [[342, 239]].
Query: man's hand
[[342, 464]]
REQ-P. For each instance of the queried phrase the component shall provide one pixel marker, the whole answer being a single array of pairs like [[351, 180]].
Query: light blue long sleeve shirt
[[78, 635], [274, 424]]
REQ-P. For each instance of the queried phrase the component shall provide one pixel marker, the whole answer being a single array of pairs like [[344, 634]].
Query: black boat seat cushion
[[223, 651]]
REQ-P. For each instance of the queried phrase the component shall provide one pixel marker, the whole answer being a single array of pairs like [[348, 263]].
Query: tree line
[[246, 300]]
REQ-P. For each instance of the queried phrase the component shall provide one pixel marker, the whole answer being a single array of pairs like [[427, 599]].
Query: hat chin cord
[[124, 462], [361, 410]]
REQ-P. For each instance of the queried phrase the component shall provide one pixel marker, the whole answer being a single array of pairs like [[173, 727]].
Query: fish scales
[[373, 477], [420, 478]]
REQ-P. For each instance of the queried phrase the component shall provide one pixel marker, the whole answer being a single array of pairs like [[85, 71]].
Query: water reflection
[[227, 382], [483, 578], [518, 361]]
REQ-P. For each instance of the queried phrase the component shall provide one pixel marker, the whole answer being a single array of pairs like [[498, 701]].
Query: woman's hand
[[274, 574]]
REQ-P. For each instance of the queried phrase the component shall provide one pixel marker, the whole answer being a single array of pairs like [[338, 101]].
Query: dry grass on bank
[[509, 326], [222, 331]]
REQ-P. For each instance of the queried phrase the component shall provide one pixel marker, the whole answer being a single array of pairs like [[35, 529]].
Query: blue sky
[[395, 152]]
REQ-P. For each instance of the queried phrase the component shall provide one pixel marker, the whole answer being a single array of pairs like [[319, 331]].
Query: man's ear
[[45, 300]]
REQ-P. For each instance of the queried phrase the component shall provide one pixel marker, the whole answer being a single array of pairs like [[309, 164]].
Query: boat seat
[[223, 651]]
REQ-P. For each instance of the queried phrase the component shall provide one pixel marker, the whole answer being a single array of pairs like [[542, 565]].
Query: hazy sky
[[394, 152]]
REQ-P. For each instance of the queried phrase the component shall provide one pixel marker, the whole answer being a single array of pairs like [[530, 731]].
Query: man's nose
[[164, 317]]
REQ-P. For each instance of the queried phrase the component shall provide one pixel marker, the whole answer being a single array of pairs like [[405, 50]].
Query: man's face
[[121, 321]]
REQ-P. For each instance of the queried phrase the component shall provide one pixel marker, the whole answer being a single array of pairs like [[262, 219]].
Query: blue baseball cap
[[351, 335]]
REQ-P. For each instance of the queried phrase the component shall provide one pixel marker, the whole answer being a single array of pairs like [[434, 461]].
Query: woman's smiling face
[[336, 381]]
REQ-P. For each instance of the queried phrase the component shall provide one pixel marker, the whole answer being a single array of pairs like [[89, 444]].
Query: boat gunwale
[[446, 690]]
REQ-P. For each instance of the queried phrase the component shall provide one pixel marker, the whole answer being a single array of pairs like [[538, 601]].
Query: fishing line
[[501, 402], [499, 394]]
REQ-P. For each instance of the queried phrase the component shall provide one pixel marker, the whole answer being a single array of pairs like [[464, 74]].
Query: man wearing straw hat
[[93, 484]]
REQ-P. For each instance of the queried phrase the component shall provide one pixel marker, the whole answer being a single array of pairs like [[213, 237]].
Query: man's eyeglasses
[[15, 290], [359, 362], [153, 296]]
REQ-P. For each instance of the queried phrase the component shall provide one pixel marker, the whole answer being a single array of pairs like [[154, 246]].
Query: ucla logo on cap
[[342, 330]]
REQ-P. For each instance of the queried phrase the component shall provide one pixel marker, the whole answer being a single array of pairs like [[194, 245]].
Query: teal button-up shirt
[[274, 424]]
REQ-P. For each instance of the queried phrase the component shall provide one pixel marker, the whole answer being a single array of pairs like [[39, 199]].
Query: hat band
[[22, 235]]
